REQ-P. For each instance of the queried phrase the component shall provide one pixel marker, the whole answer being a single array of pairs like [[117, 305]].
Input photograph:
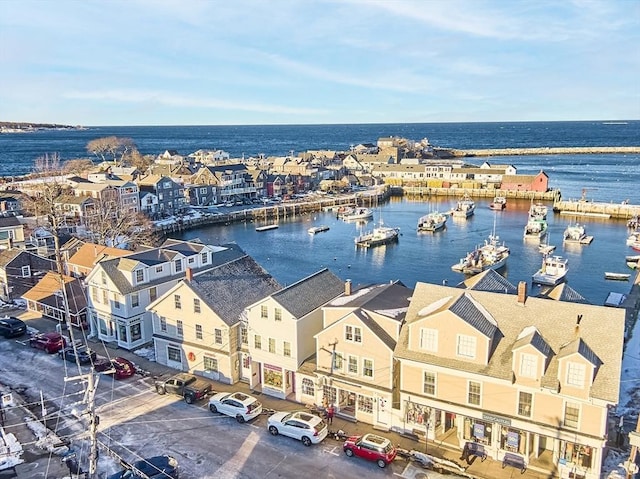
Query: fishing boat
[[617, 276], [635, 246], [491, 255], [266, 227], [632, 258], [576, 234], [465, 207], [634, 222], [317, 229], [633, 237], [499, 203], [538, 211], [535, 229], [545, 248], [632, 264], [432, 221], [379, 236], [359, 213], [553, 271]]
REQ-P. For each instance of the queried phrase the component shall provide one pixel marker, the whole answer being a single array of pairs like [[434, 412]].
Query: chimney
[[347, 287], [522, 292], [576, 330], [189, 274]]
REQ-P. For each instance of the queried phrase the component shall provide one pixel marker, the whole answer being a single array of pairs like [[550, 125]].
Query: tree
[[140, 161], [76, 167], [111, 148]]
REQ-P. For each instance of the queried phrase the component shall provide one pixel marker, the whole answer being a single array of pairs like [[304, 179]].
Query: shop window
[[136, 331], [575, 375], [198, 331], [273, 376], [429, 383], [512, 440], [466, 346], [429, 339], [308, 387], [328, 394], [416, 413], [122, 332], [365, 404], [174, 354], [571, 415], [576, 454], [474, 393], [524, 403], [478, 431], [210, 364]]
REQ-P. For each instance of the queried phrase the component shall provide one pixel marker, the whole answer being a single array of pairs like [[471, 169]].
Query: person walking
[[330, 412]]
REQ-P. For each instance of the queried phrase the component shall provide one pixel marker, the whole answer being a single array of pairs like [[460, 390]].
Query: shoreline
[[545, 150]]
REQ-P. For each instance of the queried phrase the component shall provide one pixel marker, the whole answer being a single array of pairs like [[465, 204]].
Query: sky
[[256, 62]]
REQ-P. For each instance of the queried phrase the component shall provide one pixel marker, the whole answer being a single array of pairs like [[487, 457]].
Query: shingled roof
[[489, 280], [309, 293], [388, 299]]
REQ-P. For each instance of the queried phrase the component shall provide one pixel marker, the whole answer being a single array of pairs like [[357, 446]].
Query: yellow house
[[197, 324], [524, 377]]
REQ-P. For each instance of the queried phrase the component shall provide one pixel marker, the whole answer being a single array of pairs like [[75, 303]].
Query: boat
[[632, 258], [545, 248], [634, 222], [317, 229], [538, 211], [359, 213], [632, 264], [576, 233], [379, 236], [432, 221], [553, 271], [491, 255], [635, 246], [266, 227], [499, 203], [535, 229], [465, 207], [617, 276], [633, 237]]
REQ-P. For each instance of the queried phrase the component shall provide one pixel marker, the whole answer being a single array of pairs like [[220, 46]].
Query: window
[[153, 294], [337, 361], [196, 305], [466, 346], [159, 269], [204, 257], [177, 303], [135, 300], [244, 337], [116, 301], [352, 367], [353, 333], [179, 328], [174, 354], [348, 333], [571, 415], [272, 345], [308, 388], [257, 341], [367, 368], [575, 374], [198, 331], [139, 275], [528, 365], [210, 364], [105, 297], [429, 339], [429, 383], [365, 404], [26, 271], [217, 333], [163, 324], [357, 335], [136, 331], [94, 295], [278, 314], [103, 277], [264, 314], [191, 260], [286, 348], [178, 265], [474, 393], [524, 404]]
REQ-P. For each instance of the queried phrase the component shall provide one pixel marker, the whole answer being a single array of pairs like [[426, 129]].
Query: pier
[[490, 193], [602, 210]]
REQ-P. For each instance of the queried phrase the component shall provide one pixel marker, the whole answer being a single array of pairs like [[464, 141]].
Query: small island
[[24, 127]]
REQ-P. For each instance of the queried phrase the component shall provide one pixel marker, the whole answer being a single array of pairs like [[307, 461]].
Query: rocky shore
[[577, 150]]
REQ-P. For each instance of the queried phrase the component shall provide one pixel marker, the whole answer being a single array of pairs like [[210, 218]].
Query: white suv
[[300, 425], [239, 405]]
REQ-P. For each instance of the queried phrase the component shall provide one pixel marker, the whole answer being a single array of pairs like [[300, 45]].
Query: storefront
[[276, 381]]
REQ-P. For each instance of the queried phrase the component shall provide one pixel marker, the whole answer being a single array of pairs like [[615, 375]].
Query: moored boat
[[360, 213], [538, 211], [535, 229], [491, 255], [617, 276], [432, 221], [380, 235], [576, 233], [633, 237], [317, 229], [632, 258], [266, 227], [553, 271], [465, 207], [634, 222], [499, 203]]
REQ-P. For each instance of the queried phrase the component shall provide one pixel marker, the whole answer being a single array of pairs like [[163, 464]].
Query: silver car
[[300, 425], [239, 405]]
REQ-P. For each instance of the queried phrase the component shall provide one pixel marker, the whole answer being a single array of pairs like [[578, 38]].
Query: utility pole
[[634, 440], [92, 383]]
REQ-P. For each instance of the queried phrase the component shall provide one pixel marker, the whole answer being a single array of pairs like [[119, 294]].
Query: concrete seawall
[[579, 150], [590, 208]]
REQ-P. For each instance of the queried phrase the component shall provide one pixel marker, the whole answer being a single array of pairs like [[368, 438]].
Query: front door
[[245, 368]]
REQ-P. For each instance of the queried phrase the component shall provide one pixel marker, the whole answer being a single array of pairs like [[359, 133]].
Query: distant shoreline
[[25, 127], [572, 150]]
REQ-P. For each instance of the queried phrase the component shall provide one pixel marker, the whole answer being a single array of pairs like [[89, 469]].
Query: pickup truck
[[190, 387]]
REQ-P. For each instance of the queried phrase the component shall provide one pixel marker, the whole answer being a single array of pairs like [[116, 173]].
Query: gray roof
[[489, 280], [535, 339], [376, 329], [579, 346], [601, 330], [9, 221], [230, 287], [388, 299], [309, 293], [468, 310], [562, 292]]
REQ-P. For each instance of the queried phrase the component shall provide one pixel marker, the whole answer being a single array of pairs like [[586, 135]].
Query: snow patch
[[146, 353], [46, 440]]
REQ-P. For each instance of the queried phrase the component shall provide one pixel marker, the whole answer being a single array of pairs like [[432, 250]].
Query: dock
[[266, 227], [595, 209]]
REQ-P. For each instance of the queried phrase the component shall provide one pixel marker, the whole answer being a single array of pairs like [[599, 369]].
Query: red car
[[49, 342], [371, 447], [120, 368]]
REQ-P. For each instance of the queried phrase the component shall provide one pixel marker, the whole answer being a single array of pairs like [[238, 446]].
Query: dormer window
[[576, 373], [429, 339], [205, 258], [178, 265], [466, 346], [528, 365], [139, 275]]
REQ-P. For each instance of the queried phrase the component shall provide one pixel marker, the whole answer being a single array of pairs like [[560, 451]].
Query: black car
[[85, 355], [158, 466], [11, 327]]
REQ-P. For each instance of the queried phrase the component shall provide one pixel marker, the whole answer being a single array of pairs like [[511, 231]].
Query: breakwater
[[551, 195], [591, 208], [578, 150]]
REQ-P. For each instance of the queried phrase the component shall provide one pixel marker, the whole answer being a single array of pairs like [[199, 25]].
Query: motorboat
[[535, 229], [499, 203], [633, 237], [380, 235], [465, 207], [359, 213], [317, 229], [634, 222], [553, 271], [617, 276], [576, 233], [538, 211], [491, 255], [266, 227], [432, 221]]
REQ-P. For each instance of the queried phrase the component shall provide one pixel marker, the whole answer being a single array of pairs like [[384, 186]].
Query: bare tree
[[76, 167], [111, 148], [140, 161]]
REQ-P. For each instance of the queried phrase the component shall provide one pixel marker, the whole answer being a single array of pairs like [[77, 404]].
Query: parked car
[[371, 447], [119, 368], [11, 327], [300, 425], [81, 354], [190, 387], [157, 466], [239, 405], [49, 342]]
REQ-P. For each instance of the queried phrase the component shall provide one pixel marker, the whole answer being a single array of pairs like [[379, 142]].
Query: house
[[20, 270], [539, 182], [225, 183], [355, 366], [84, 259], [49, 299], [11, 232], [9, 204], [197, 324], [120, 289], [519, 375], [170, 195], [281, 329], [76, 210]]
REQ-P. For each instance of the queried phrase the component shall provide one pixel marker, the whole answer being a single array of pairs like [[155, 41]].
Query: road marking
[[331, 451]]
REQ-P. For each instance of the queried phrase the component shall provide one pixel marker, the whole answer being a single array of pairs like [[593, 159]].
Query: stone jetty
[[579, 150]]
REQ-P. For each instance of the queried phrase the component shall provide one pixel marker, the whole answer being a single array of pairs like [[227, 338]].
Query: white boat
[[576, 233], [491, 255], [553, 271], [380, 235], [317, 229], [546, 248], [632, 258], [499, 203], [633, 237], [465, 207], [634, 222], [538, 211], [432, 221], [266, 227], [535, 229], [359, 213], [617, 276]]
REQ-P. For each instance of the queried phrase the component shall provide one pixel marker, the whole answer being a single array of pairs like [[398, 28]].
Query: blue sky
[[221, 62]]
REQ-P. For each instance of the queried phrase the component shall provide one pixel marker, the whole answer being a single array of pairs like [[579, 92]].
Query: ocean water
[[290, 254]]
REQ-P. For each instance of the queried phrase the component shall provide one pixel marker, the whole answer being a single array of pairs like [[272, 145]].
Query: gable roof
[[531, 335], [469, 311], [46, 292], [489, 280], [562, 292], [6, 221], [580, 347], [376, 329], [388, 299], [309, 293], [90, 253]]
